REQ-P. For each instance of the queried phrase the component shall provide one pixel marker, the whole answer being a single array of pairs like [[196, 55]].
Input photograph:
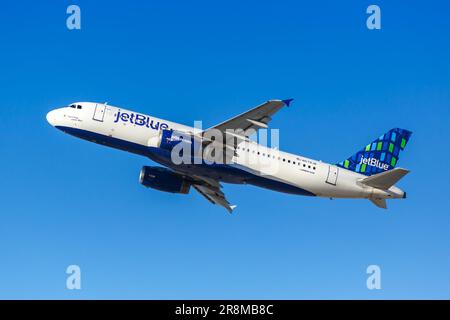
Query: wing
[[239, 128], [214, 195], [256, 118], [209, 188]]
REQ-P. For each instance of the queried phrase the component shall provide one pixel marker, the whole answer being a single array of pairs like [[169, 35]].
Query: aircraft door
[[333, 172], [99, 112]]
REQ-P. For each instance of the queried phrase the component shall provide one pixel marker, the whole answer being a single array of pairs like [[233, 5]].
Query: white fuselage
[[134, 132]]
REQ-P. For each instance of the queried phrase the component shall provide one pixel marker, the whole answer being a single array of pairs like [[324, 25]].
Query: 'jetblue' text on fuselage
[[140, 120]]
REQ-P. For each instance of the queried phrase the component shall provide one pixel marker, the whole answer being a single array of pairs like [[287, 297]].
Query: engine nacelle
[[164, 180]]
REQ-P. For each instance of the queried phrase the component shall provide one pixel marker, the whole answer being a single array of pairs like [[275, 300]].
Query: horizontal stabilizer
[[386, 179], [380, 203]]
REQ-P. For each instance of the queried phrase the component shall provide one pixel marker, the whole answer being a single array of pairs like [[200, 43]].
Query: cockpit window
[[72, 106], [78, 107]]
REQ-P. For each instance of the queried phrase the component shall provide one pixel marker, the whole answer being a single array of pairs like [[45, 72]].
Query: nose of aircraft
[[51, 117]]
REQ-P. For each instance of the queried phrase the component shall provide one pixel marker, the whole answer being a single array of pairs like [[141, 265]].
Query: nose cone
[[51, 117]]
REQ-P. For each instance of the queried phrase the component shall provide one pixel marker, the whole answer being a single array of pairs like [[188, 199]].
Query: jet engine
[[164, 180]]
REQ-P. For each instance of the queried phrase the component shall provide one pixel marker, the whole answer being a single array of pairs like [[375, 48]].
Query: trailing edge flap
[[385, 180], [380, 203]]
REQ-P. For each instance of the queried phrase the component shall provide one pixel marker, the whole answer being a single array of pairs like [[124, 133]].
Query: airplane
[[370, 173]]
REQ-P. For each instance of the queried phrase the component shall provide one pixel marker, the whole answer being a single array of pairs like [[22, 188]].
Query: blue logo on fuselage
[[140, 120]]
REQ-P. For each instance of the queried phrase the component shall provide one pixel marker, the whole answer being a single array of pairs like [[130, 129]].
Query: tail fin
[[380, 155]]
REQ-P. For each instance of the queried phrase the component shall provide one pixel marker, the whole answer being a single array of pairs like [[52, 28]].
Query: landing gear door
[[99, 112], [333, 172]]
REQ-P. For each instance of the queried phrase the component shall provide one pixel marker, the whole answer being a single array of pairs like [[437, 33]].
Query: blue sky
[[67, 201]]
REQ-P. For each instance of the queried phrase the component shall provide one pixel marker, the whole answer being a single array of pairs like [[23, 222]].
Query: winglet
[[287, 102], [231, 208]]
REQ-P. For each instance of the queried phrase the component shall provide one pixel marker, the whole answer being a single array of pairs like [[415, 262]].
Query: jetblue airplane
[[371, 173]]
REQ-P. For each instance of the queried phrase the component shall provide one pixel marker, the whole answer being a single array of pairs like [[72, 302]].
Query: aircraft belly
[[228, 174]]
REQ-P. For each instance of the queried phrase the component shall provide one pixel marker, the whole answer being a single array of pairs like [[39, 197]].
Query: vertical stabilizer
[[380, 155]]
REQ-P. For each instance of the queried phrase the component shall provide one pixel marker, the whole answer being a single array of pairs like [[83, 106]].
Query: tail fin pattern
[[380, 155]]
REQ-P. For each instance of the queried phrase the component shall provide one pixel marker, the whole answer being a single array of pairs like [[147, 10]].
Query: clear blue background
[[66, 201]]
